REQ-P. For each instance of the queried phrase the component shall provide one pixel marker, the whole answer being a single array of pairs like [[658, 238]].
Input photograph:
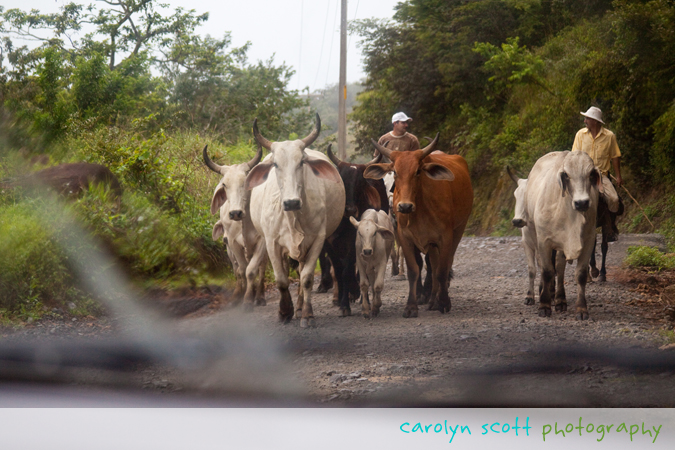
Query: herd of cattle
[[300, 204]]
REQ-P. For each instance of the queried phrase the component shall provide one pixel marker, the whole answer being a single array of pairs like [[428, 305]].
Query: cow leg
[[326, 276], [260, 288], [238, 258], [547, 275], [560, 299], [365, 301], [411, 254], [307, 280], [340, 271], [530, 245], [419, 262], [604, 247], [394, 260], [258, 260], [377, 290], [428, 281], [582, 277], [280, 267], [432, 258], [594, 268]]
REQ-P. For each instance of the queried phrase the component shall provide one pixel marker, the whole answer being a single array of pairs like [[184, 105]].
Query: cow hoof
[[529, 301], [307, 322], [582, 315], [336, 302], [602, 278], [260, 302], [322, 289], [444, 308], [561, 307], [285, 318], [366, 316], [433, 306], [409, 313], [247, 307], [394, 272], [375, 312], [545, 312], [346, 312], [595, 272]]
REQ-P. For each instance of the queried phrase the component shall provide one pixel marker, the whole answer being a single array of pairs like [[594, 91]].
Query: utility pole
[[342, 89]]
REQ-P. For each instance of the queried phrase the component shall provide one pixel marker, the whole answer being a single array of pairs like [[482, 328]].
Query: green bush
[[34, 270], [642, 256]]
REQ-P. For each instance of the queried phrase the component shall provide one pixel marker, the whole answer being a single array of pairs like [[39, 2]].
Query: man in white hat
[[398, 138], [600, 144]]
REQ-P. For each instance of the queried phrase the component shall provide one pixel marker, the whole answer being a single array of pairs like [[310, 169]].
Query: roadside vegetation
[[144, 104]]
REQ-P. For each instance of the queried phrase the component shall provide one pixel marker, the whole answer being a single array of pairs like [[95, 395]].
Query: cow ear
[[257, 175], [324, 169], [218, 231], [438, 172], [386, 233], [596, 178], [562, 181], [376, 171], [373, 197], [219, 198], [354, 222]]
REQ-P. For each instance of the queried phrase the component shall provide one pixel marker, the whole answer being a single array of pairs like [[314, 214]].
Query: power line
[[323, 38], [302, 7], [330, 53], [355, 11]]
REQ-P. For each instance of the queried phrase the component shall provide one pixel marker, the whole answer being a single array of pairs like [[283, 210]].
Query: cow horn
[[376, 160], [430, 148], [256, 159], [332, 156], [210, 164], [259, 138], [314, 134], [383, 150], [513, 176]]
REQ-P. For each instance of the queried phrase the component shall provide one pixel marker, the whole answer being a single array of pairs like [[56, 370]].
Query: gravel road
[[490, 349]]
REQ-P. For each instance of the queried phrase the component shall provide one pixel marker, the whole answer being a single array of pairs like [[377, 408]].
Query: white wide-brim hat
[[594, 113], [400, 117]]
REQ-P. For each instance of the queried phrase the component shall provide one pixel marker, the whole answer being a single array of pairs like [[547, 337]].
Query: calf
[[374, 240]]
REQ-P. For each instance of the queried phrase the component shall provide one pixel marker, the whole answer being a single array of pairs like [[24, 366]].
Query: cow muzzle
[[351, 211], [518, 223], [236, 215], [292, 205], [406, 208], [367, 252], [582, 205]]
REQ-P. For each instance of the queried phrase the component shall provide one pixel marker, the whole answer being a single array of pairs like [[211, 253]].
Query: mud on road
[[447, 359]]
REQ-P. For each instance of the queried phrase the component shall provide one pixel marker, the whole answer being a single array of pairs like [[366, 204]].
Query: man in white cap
[[600, 144], [398, 138]]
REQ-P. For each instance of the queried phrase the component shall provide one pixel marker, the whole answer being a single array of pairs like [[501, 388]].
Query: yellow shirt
[[602, 149]]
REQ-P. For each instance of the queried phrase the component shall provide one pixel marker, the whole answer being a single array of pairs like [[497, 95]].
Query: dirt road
[[491, 349], [447, 359]]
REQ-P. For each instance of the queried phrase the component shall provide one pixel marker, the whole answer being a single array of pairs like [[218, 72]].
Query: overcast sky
[[302, 33]]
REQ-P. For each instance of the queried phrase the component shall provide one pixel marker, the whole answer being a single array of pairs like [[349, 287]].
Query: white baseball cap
[[400, 117], [594, 113]]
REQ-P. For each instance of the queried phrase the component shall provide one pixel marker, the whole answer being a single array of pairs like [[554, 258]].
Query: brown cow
[[68, 179], [433, 198]]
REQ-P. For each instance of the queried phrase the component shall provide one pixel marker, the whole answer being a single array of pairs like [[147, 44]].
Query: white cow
[[298, 199], [530, 245], [241, 238], [562, 199], [374, 242]]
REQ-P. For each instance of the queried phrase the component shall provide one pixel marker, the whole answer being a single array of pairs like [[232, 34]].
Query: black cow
[[361, 194], [607, 220]]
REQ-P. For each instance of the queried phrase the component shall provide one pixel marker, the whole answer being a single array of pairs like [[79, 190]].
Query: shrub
[[642, 256], [34, 272]]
